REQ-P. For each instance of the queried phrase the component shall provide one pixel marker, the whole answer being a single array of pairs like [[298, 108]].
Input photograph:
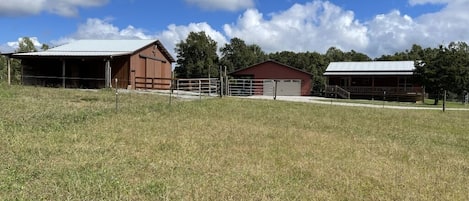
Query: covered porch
[[398, 88]]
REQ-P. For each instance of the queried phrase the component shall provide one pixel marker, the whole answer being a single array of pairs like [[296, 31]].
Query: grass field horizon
[[58, 144]]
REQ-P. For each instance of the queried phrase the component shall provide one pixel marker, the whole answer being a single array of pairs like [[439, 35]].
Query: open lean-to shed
[[290, 81], [373, 80], [135, 64]]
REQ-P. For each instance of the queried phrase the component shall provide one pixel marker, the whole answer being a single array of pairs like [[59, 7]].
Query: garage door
[[284, 87]]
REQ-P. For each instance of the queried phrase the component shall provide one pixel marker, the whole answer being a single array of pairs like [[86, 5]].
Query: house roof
[[272, 61], [371, 68], [97, 48]]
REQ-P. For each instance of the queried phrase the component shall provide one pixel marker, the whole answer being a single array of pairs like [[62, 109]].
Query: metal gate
[[264, 87]]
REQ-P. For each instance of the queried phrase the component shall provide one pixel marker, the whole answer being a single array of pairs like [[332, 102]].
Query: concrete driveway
[[328, 101]]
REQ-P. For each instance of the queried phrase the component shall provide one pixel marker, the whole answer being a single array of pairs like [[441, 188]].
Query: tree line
[[438, 69], [25, 45]]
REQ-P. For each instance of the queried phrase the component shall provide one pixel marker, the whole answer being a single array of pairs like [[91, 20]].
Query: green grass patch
[[58, 144]]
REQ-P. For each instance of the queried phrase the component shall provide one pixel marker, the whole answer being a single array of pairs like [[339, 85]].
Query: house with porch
[[388, 80]]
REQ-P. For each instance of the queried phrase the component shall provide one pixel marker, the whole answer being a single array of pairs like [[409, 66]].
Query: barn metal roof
[[371, 68], [97, 48], [273, 61]]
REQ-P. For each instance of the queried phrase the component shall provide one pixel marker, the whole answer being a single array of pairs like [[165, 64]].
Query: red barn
[[97, 63], [290, 81]]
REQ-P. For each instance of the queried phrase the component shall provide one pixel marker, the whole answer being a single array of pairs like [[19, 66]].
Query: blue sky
[[369, 26]]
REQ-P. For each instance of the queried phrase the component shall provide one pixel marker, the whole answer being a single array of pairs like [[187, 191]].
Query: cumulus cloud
[[229, 5], [32, 7], [315, 25], [394, 31], [175, 34], [312, 26], [318, 25], [5, 48], [16, 44], [423, 2], [95, 28]]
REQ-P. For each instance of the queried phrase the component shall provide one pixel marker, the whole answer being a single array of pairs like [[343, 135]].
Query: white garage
[[284, 87]]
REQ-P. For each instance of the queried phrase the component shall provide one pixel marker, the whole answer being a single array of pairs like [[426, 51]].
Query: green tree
[[445, 68], [44, 47], [335, 55], [416, 53], [356, 56], [196, 56], [237, 55], [26, 45]]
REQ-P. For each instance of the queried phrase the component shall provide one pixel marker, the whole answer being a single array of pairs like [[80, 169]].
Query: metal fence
[[200, 87], [250, 87]]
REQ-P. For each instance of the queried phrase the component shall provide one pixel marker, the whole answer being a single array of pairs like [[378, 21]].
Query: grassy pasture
[[58, 144]]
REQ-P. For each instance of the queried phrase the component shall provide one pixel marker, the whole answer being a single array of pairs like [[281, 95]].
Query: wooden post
[[107, 74], [335, 91], [117, 97], [226, 81], [444, 101], [466, 98], [9, 69], [221, 81], [63, 73], [423, 95], [200, 89], [384, 98], [275, 89]]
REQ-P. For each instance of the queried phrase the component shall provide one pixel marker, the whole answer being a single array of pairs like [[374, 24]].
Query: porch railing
[[381, 90], [338, 91]]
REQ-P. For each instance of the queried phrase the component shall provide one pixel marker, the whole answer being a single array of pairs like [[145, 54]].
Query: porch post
[[63, 73], [9, 69], [405, 84], [107, 76]]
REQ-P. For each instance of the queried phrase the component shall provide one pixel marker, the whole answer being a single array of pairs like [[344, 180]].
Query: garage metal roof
[[96, 48], [371, 68]]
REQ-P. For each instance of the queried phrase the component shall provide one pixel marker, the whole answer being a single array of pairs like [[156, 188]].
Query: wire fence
[[189, 89]]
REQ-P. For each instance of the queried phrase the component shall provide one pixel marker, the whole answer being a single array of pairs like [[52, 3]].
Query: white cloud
[[423, 2], [175, 34], [391, 33], [318, 25], [4, 48], [396, 32], [315, 25], [16, 44], [104, 29], [230, 5], [33, 7]]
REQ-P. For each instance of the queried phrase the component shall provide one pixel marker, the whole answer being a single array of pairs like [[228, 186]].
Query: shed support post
[[63, 73], [9, 70], [107, 79]]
